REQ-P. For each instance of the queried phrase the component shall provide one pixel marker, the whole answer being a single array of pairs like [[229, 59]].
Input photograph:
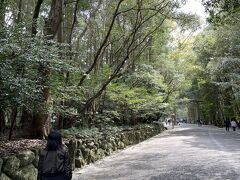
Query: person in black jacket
[[227, 124], [54, 162]]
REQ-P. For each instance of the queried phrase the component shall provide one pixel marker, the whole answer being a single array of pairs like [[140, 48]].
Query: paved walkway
[[186, 153]]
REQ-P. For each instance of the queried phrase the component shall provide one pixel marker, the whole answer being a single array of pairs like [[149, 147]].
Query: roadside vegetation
[[90, 65]]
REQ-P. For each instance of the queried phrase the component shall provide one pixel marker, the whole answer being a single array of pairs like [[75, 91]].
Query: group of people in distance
[[233, 123]]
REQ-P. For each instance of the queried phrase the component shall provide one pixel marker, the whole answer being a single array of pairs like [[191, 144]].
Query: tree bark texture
[[35, 16], [2, 122], [54, 19], [41, 121], [2, 12], [13, 122], [19, 15]]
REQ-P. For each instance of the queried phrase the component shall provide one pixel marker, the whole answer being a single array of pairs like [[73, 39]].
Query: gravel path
[[185, 153]]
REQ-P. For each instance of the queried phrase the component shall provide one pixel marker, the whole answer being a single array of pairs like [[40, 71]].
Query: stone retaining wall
[[82, 150]]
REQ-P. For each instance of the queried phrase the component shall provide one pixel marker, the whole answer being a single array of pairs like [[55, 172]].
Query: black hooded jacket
[[54, 164]]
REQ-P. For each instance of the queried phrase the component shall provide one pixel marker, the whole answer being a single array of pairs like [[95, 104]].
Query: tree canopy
[[90, 63]]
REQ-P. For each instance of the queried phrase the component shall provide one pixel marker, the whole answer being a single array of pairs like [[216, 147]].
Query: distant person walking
[[199, 122], [227, 124], [233, 124], [173, 119], [169, 122], [54, 162]]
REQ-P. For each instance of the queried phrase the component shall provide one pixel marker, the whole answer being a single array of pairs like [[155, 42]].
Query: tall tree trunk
[[19, 15], [41, 118], [69, 40], [2, 12], [25, 120], [2, 122], [54, 19], [35, 16], [13, 122]]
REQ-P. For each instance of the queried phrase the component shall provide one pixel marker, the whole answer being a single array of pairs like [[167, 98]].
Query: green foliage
[[19, 56], [84, 5], [222, 11], [156, 68], [218, 53], [142, 91], [188, 22]]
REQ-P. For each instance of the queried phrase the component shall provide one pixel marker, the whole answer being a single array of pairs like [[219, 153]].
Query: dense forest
[[94, 63]]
